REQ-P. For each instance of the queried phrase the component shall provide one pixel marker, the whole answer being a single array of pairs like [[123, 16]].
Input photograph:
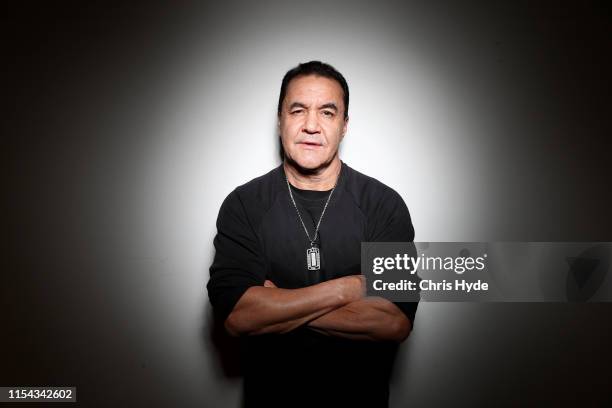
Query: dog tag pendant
[[313, 258]]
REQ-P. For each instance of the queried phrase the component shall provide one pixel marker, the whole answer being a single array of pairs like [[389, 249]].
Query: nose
[[311, 125]]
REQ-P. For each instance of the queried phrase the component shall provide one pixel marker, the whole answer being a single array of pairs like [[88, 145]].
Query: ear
[[344, 128]]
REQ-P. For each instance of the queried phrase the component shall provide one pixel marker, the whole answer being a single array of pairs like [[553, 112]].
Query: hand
[[353, 287]]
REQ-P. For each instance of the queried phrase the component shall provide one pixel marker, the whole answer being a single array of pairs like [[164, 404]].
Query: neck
[[321, 179]]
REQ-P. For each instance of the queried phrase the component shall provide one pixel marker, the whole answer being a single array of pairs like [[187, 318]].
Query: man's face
[[312, 121]]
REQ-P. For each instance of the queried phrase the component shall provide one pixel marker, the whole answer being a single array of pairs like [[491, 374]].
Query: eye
[[329, 114], [296, 111]]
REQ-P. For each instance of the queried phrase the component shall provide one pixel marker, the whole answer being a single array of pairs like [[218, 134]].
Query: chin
[[308, 163]]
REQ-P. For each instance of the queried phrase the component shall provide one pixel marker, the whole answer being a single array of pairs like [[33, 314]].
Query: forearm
[[275, 310], [369, 318], [288, 325]]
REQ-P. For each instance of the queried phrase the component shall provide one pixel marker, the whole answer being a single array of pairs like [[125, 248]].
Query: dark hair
[[314, 68]]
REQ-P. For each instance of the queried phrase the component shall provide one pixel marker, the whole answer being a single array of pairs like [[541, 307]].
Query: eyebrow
[[329, 105]]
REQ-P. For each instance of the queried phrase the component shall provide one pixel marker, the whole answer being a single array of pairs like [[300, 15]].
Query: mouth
[[310, 144]]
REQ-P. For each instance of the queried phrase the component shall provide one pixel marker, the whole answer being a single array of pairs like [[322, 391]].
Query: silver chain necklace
[[313, 254]]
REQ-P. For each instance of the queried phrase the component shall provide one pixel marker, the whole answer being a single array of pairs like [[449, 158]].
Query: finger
[[269, 284]]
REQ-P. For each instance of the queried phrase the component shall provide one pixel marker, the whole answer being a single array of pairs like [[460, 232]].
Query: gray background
[[126, 126]]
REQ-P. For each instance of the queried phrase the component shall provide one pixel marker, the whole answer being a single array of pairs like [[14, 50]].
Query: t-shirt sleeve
[[238, 263], [392, 223]]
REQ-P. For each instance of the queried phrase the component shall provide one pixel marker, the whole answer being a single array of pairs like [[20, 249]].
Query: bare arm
[[371, 318], [269, 309]]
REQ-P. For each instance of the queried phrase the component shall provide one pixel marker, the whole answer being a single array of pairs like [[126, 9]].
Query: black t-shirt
[[259, 236]]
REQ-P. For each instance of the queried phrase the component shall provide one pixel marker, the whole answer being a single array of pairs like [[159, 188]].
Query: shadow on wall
[[228, 351], [227, 348]]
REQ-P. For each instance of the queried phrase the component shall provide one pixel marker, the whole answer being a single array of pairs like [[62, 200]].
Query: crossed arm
[[337, 307]]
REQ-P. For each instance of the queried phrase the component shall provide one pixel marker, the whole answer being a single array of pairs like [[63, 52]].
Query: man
[[286, 274]]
